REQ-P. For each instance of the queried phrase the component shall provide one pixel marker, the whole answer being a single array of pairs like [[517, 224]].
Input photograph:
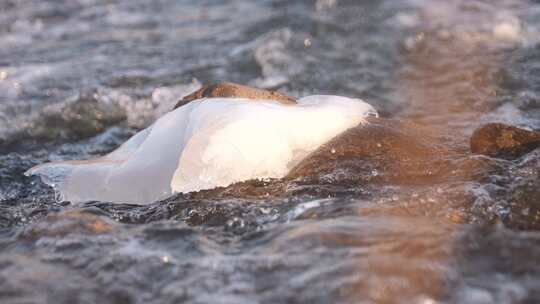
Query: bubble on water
[[502, 209], [236, 225], [407, 19], [426, 300], [303, 207], [470, 294], [509, 31], [265, 211], [322, 5]]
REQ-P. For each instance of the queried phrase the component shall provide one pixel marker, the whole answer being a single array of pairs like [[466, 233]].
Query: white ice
[[205, 144]]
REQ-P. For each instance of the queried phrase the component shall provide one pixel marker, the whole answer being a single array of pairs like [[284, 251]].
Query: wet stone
[[228, 89], [70, 222], [213, 216], [83, 117], [381, 151], [505, 141], [525, 205]]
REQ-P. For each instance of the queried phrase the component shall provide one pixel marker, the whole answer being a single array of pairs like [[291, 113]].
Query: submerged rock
[[83, 117], [228, 89], [505, 141], [383, 150], [524, 211], [84, 221]]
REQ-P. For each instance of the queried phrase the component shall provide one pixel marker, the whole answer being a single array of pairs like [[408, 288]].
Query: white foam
[[205, 144], [508, 31]]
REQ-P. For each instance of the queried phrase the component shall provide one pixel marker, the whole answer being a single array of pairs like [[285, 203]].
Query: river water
[[78, 77]]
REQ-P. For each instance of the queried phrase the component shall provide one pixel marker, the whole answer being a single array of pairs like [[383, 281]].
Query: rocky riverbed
[[425, 205]]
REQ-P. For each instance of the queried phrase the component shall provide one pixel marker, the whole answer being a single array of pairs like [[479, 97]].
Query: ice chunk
[[205, 144]]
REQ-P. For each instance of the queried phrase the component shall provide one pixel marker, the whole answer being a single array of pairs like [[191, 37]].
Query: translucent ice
[[206, 144]]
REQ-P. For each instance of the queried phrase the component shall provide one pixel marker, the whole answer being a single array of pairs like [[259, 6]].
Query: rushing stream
[[79, 77]]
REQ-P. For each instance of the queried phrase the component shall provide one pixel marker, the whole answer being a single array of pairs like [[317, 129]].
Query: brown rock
[[381, 151], [70, 222], [229, 89], [500, 140]]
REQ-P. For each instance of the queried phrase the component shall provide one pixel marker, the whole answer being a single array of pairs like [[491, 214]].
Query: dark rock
[[228, 89], [505, 141], [525, 205], [84, 117]]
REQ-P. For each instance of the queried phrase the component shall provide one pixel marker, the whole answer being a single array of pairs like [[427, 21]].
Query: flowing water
[[78, 77]]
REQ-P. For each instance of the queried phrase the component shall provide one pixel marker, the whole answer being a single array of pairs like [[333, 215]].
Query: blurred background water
[[78, 77]]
